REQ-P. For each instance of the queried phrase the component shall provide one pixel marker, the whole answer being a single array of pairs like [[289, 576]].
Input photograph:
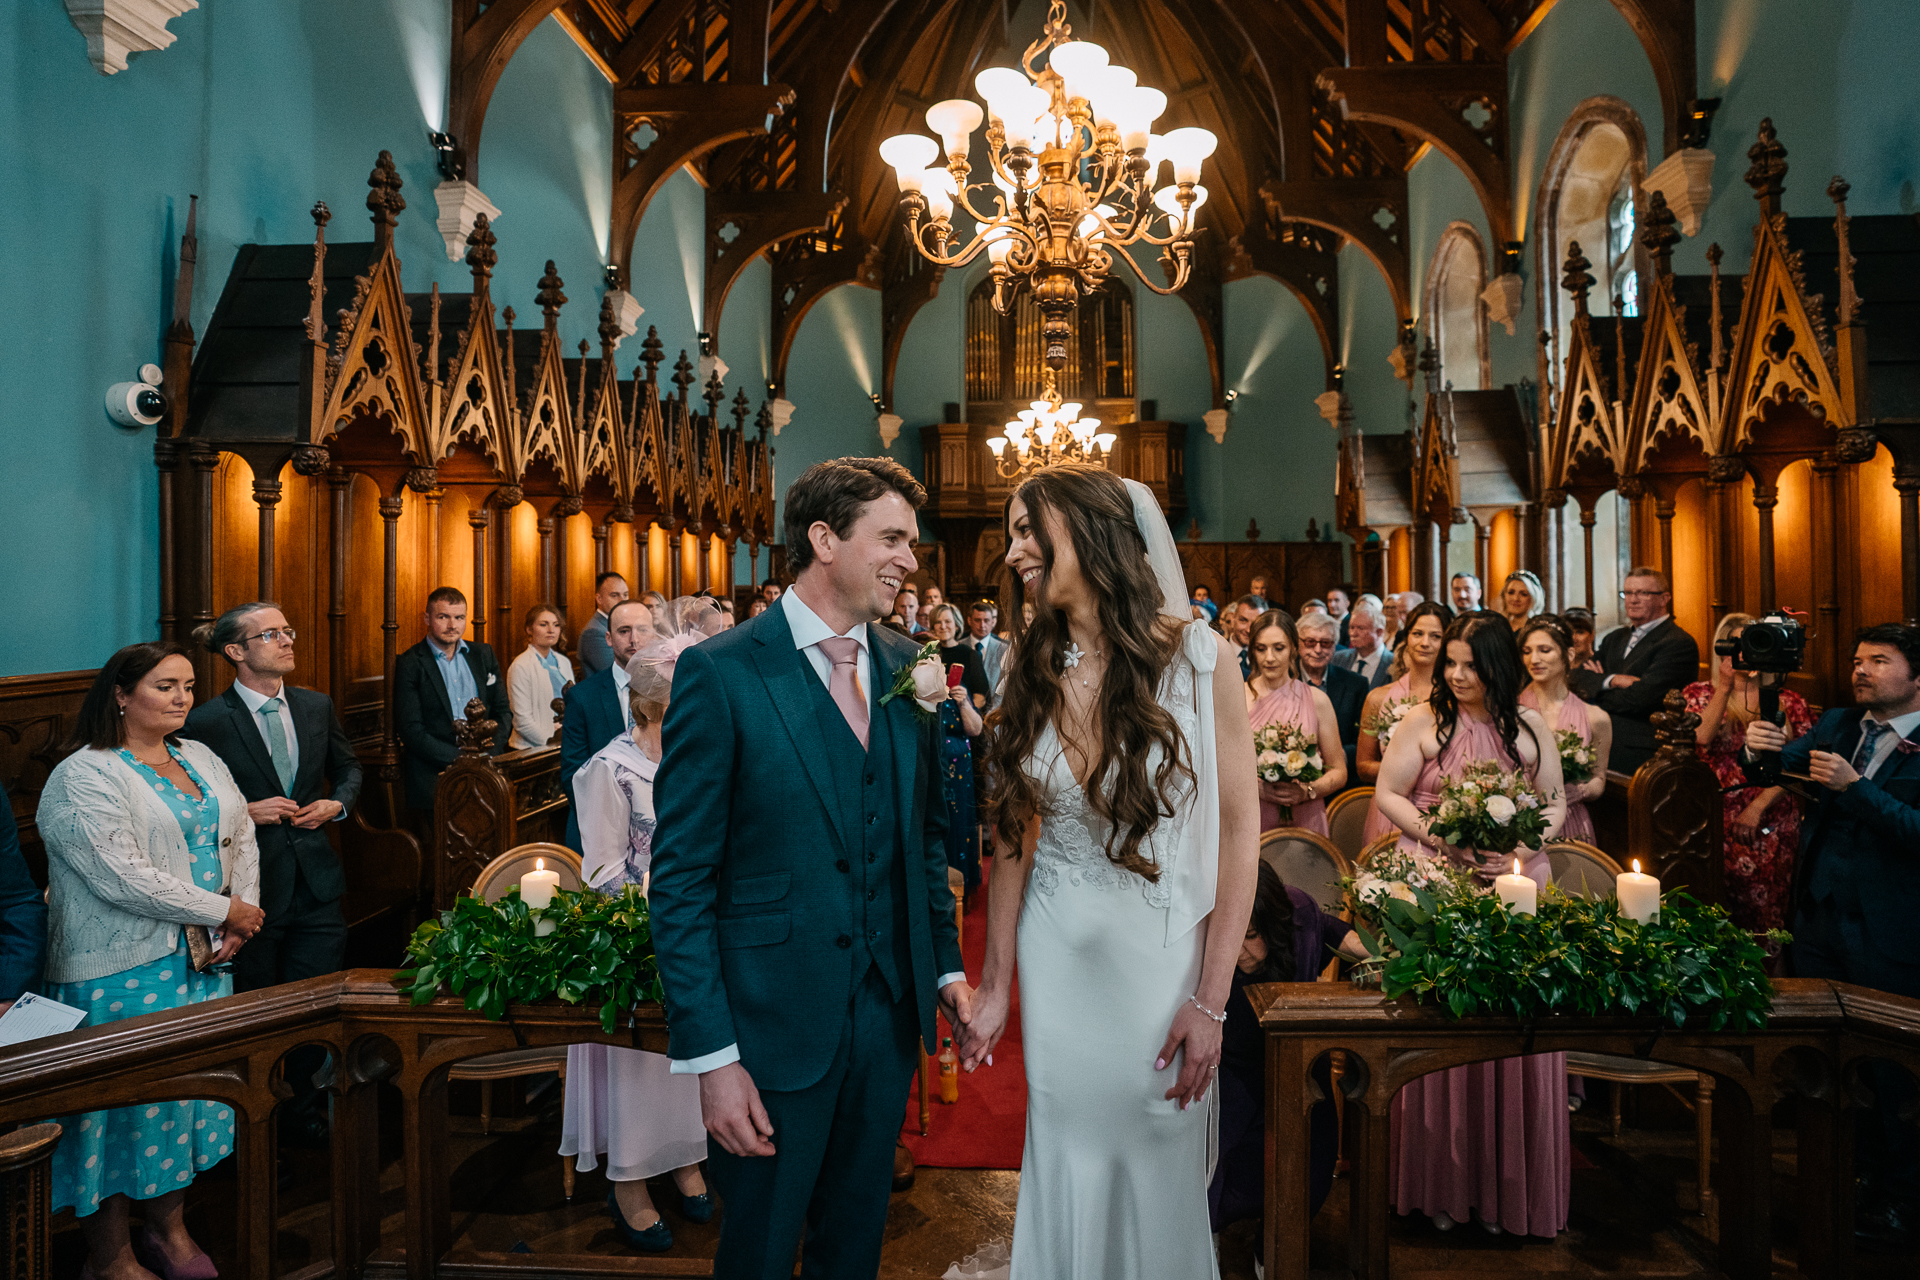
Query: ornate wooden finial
[[1194, 531], [384, 201], [682, 375], [550, 298], [609, 326], [742, 407], [715, 392], [1674, 725], [559, 706], [475, 733], [652, 352], [317, 286], [1716, 321], [182, 325], [1430, 365], [1767, 175], [1313, 529], [1837, 190], [1253, 530], [1574, 278], [506, 359], [1659, 232], [480, 255], [763, 420]]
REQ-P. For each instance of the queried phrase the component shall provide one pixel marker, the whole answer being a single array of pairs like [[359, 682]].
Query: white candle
[[1520, 895], [1639, 895], [536, 890]]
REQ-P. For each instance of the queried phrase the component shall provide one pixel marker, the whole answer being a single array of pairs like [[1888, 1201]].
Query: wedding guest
[[1490, 1139], [1203, 601], [1277, 695], [597, 709], [1257, 588], [1466, 589], [960, 724], [652, 599], [625, 1104], [148, 840], [1237, 625], [769, 590], [981, 621], [1854, 893], [1395, 609], [1639, 663], [1411, 686], [1522, 598], [23, 916], [1545, 648], [1345, 690], [906, 606], [758, 607], [932, 598], [609, 589], [1312, 607], [1367, 655], [1579, 624], [541, 673], [1339, 605], [725, 606], [432, 684], [1762, 826]]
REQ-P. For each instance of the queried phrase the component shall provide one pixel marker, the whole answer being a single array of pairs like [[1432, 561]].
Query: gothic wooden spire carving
[[715, 392], [384, 201], [1659, 233], [1575, 278], [480, 255], [682, 376], [1767, 175], [652, 352], [741, 408], [550, 298], [609, 327]]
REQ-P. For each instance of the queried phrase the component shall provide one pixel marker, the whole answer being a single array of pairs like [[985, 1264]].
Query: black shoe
[[696, 1209], [657, 1238], [902, 1167], [1884, 1227]]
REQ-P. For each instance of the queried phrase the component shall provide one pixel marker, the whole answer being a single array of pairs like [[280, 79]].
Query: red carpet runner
[[987, 1127]]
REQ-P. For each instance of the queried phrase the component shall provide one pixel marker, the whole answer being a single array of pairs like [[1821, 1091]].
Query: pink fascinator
[[678, 625]]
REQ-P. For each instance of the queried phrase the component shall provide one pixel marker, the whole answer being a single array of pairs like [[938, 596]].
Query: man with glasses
[[1638, 664], [1348, 692]]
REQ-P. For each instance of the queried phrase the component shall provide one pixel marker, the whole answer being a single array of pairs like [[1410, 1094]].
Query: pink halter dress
[[1573, 715], [1291, 703], [1377, 824]]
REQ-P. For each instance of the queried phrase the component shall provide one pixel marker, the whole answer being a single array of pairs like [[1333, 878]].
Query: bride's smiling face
[[1049, 575]]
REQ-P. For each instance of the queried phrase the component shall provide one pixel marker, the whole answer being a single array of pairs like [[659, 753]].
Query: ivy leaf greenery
[[1576, 956], [488, 954]]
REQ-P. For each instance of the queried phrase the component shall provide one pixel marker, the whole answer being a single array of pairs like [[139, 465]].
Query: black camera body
[[1772, 645]]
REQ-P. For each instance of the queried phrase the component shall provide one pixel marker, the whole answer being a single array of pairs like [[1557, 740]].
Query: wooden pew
[[486, 804]]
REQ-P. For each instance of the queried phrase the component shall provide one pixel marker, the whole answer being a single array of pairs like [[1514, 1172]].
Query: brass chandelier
[[1075, 162]]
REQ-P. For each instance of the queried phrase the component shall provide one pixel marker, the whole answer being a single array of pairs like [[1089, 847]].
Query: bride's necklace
[[1072, 658]]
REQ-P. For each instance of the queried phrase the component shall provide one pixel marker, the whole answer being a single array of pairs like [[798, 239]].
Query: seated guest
[[981, 621], [542, 673], [758, 607], [1854, 893], [725, 606], [1367, 655], [1236, 624], [609, 589], [932, 598], [1465, 588], [960, 724], [1639, 663], [1579, 624], [1345, 690], [1203, 601], [1544, 649], [1394, 610], [770, 590], [625, 1104], [1257, 588], [1340, 605], [1317, 606], [652, 599], [1522, 598], [23, 916], [148, 840], [432, 684], [1276, 695], [1411, 686], [597, 709]]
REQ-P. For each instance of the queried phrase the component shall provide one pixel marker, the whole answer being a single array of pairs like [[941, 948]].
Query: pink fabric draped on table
[[1573, 715], [1493, 1137], [1291, 703], [1377, 824]]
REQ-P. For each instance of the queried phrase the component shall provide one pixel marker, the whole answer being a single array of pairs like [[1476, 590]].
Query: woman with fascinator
[[624, 1103], [1120, 779]]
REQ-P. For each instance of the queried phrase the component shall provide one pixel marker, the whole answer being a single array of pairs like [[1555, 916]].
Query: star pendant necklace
[[1072, 659]]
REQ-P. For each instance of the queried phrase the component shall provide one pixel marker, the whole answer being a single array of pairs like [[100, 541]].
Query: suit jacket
[[1667, 658], [1872, 828], [23, 914], [751, 894], [1348, 694], [593, 719], [423, 717], [327, 770], [596, 655], [1349, 660]]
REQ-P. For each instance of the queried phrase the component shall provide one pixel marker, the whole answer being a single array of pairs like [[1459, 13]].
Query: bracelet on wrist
[[1195, 1002]]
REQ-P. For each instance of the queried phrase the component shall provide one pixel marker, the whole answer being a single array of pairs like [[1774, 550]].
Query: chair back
[[1347, 820], [1379, 846], [1582, 870], [1307, 860], [504, 872]]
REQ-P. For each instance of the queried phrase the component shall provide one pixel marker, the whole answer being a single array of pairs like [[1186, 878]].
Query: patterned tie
[[844, 652], [1870, 731], [277, 743]]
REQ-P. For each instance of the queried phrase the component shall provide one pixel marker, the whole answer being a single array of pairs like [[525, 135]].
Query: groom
[[800, 907]]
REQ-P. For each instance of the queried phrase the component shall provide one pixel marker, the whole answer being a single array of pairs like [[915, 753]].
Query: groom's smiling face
[[866, 569]]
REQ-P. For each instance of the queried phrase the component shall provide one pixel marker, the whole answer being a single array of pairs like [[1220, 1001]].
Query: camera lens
[[1761, 640], [150, 403]]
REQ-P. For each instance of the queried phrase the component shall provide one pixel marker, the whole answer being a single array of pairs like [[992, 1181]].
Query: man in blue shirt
[[432, 684]]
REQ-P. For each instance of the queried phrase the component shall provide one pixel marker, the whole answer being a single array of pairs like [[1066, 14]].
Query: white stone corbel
[[1401, 361], [1328, 403], [1685, 178], [1503, 299], [626, 313], [709, 365], [782, 411], [117, 28], [1216, 420], [890, 424], [460, 203]]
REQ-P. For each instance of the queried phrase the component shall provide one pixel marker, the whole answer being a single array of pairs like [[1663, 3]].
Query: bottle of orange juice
[[949, 1072]]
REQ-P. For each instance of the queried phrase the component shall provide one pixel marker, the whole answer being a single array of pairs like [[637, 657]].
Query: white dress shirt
[[1901, 726], [621, 685], [254, 700], [809, 629], [1365, 664]]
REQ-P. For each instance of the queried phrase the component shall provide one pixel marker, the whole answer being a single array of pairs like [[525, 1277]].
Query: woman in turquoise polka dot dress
[[147, 838]]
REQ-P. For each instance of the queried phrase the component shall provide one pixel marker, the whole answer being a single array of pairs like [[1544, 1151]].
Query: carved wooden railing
[[485, 804], [1674, 812], [230, 1050], [1814, 1041]]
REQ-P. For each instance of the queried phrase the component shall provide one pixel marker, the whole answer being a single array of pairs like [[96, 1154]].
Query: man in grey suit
[[981, 620], [609, 589], [1368, 656]]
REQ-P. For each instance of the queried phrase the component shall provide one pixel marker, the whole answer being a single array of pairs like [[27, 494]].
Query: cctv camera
[[135, 404]]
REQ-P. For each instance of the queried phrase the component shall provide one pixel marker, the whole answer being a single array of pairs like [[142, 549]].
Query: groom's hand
[[956, 1001], [730, 1108]]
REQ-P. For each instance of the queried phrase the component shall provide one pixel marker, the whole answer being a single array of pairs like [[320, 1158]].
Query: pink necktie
[[844, 653]]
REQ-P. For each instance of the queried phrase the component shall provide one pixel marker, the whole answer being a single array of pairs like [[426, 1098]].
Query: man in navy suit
[[597, 710], [1855, 892], [432, 684], [596, 653], [800, 907]]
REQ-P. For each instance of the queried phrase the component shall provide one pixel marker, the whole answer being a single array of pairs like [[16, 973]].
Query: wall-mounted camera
[[138, 404]]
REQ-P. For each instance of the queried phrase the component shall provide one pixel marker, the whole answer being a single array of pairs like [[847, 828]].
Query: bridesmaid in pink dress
[[1545, 644], [1423, 628], [1489, 1139], [1277, 694]]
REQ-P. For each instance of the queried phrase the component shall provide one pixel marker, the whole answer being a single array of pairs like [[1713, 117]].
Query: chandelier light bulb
[[1109, 91], [954, 120], [1104, 441], [1079, 63], [1001, 88], [1167, 201], [1187, 148], [909, 153], [999, 244], [937, 188]]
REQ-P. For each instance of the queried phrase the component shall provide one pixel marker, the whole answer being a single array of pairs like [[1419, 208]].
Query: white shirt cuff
[[945, 978], [711, 1062], [1607, 682]]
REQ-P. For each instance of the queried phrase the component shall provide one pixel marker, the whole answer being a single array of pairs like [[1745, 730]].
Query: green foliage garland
[[1575, 956], [488, 954]]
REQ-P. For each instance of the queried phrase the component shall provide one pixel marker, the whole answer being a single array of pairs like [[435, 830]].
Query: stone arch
[[1455, 314]]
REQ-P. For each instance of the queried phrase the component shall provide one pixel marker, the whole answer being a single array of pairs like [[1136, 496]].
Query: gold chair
[[1380, 845], [1347, 820], [1309, 861], [1579, 868]]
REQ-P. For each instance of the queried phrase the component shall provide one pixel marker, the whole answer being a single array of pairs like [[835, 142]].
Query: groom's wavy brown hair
[[1139, 641]]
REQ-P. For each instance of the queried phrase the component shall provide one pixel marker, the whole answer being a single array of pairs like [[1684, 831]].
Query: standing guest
[[1492, 1138], [1203, 601], [930, 600], [906, 607], [23, 916], [981, 620], [147, 839], [1639, 663], [1340, 605], [1412, 686], [1347, 691], [1854, 893], [597, 709], [960, 724], [1545, 648], [1276, 695], [1762, 826], [609, 589], [627, 1104], [1237, 625], [725, 606], [769, 590], [1368, 655], [1579, 624], [1318, 606], [758, 607], [432, 684], [542, 673], [1393, 609], [1257, 588], [1466, 591], [1522, 598], [651, 599]]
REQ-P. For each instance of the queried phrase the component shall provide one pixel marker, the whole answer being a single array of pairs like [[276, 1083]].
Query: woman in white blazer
[[148, 842], [536, 678]]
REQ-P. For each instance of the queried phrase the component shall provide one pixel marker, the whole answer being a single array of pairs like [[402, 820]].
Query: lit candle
[[1520, 895], [1639, 895], [536, 890]]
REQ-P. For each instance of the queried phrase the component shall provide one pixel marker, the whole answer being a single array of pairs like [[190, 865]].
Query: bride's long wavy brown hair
[[1139, 641]]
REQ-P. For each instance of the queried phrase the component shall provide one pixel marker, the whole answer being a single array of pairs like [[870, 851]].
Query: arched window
[[1006, 356], [1456, 317], [1589, 193]]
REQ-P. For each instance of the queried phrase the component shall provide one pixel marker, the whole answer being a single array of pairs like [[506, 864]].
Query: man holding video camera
[[1856, 893]]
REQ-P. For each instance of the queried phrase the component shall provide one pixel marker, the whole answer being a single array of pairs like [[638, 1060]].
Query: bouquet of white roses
[[1394, 874], [1488, 809], [1576, 757], [1386, 718], [1282, 752]]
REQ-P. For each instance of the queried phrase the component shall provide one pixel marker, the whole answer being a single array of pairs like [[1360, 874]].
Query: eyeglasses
[[1641, 595], [272, 635], [1315, 644]]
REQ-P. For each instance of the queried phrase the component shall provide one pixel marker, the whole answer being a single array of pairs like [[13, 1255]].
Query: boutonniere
[[923, 680], [1906, 746]]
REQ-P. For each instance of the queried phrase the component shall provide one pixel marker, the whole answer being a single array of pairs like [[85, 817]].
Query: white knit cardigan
[[119, 883]]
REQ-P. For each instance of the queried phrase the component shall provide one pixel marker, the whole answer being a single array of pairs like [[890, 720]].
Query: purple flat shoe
[[146, 1247]]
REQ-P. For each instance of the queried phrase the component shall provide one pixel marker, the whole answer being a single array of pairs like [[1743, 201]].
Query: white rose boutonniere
[[924, 680]]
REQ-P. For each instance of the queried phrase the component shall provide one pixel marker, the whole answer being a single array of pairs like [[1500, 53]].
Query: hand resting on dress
[[1200, 1036]]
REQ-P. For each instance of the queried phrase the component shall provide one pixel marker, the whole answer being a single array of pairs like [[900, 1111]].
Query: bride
[[1120, 778]]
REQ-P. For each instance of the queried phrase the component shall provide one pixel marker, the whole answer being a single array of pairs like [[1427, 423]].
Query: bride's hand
[[1199, 1036], [986, 1023]]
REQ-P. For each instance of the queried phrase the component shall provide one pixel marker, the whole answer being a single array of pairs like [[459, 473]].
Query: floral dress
[[147, 1151], [1759, 871]]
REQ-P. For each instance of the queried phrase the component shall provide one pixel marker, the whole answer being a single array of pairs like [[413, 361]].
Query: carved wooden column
[[478, 519], [1634, 490], [1724, 473], [643, 555], [390, 509], [753, 565], [565, 510], [1554, 553], [198, 586], [1483, 552], [1906, 483], [673, 558], [1823, 515], [166, 459], [1766, 496], [433, 498], [266, 496], [26, 1198], [703, 559], [504, 500], [601, 558], [1423, 549], [1443, 561], [1663, 512], [1586, 534], [339, 545], [545, 525]]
